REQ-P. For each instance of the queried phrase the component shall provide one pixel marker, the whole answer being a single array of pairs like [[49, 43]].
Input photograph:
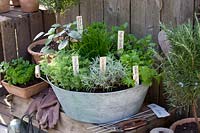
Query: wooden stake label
[[103, 64], [120, 42], [136, 74], [37, 71], [79, 20], [75, 63]]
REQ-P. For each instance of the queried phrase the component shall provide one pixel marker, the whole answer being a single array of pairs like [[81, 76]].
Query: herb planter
[[25, 92], [182, 122], [4, 6], [101, 107]]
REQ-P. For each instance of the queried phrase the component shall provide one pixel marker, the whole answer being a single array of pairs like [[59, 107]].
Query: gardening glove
[[48, 112], [34, 106]]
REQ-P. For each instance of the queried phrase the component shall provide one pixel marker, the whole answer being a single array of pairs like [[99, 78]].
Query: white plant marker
[[103, 64], [37, 71], [136, 75], [79, 20], [120, 42], [75, 63]]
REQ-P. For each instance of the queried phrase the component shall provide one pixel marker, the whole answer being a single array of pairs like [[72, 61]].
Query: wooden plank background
[[17, 29]]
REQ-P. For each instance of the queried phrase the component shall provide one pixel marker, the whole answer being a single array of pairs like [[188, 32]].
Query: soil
[[187, 128], [35, 81]]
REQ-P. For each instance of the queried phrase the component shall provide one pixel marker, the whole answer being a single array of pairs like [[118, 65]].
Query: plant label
[[75, 63], [103, 64], [37, 71], [120, 42], [160, 112], [136, 75], [79, 20]]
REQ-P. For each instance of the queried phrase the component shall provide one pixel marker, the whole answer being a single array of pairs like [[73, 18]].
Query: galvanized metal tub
[[101, 107]]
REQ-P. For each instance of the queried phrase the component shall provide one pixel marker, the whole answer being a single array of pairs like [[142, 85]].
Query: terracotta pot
[[15, 3], [161, 130], [25, 92], [181, 122], [29, 5], [4, 6], [37, 56]]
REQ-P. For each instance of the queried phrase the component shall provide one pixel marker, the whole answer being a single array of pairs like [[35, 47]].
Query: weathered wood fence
[[17, 29], [143, 16]]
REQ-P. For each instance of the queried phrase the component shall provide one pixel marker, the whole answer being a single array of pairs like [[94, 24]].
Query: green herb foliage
[[18, 71], [139, 52], [59, 40], [95, 42], [58, 5], [181, 68], [60, 71]]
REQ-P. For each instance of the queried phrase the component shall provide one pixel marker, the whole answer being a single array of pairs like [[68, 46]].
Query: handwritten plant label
[[120, 42], [79, 20], [75, 63], [37, 71], [103, 64], [136, 75]]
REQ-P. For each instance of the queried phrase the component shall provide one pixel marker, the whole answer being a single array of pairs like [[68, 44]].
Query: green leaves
[[63, 44], [18, 71], [58, 5], [181, 67]]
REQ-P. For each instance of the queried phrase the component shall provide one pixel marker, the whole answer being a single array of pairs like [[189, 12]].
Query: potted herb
[[4, 6], [181, 72], [19, 78], [29, 5], [54, 40], [58, 7], [97, 95]]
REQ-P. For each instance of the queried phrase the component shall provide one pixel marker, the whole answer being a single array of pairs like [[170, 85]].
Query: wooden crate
[[17, 30]]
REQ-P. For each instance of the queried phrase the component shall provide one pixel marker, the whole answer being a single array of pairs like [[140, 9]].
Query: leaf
[[38, 36], [56, 25], [60, 34], [47, 50], [63, 44], [48, 41], [50, 37], [51, 31], [74, 34]]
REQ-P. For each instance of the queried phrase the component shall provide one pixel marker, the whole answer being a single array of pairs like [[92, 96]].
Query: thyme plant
[[105, 82]]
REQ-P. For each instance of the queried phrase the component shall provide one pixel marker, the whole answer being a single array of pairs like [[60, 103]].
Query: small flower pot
[[25, 92], [36, 55], [181, 122], [4, 6], [29, 5], [15, 3]]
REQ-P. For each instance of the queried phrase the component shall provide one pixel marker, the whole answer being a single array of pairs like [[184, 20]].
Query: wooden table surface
[[66, 124]]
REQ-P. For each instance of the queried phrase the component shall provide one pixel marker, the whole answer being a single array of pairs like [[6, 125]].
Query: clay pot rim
[[34, 44], [181, 122]]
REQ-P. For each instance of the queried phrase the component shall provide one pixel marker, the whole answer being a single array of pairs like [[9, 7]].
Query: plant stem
[[58, 18], [194, 110]]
